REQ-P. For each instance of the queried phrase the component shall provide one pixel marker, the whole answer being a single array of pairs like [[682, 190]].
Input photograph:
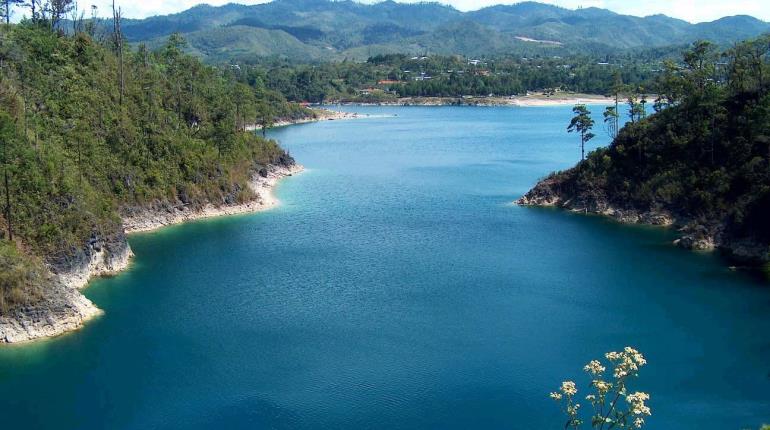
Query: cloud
[[689, 10]]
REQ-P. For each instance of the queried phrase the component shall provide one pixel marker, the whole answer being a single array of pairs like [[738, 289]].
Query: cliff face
[[64, 308], [565, 190]]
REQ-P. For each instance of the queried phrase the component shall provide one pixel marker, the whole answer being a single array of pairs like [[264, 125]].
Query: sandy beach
[[539, 100], [560, 100]]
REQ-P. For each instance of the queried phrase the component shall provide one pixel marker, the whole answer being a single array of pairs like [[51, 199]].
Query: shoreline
[[321, 114], [150, 220], [692, 234], [512, 101], [65, 309]]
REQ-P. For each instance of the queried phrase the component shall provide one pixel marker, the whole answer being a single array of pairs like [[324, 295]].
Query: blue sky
[[689, 10]]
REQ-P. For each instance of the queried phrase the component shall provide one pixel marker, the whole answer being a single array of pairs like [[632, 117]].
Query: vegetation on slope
[[335, 30], [88, 129], [704, 157], [385, 77]]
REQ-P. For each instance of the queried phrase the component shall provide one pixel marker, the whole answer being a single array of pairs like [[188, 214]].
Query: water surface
[[397, 288]]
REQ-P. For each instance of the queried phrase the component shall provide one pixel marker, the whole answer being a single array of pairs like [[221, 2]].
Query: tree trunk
[[116, 17], [8, 205], [7, 191], [617, 114], [237, 117]]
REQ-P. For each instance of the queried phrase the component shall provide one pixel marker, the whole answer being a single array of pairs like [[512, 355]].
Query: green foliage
[[21, 278], [337, 30], [398, 75], [582, 123], [77, 152], [705, 158]]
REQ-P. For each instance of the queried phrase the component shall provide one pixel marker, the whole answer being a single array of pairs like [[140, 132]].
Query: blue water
[[397, 288]]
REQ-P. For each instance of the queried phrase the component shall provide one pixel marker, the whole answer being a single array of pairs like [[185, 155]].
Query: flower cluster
[[602, 387], [568, 388], [567, 391], [636, 402], [594, 367], [604, 399], [627, 362]]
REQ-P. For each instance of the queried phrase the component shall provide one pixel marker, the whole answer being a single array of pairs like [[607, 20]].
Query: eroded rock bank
[[564, 190], [64, 308], [161, 214]]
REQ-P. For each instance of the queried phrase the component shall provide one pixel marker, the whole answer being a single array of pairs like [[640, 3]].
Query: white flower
[[636, 400], [556, 396], [594, 367], [601, 386], [568, 388]]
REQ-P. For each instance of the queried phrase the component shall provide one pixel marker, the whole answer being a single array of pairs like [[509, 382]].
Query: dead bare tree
[[118, 34]]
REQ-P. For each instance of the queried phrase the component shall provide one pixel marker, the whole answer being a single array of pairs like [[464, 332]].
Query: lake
[[396, 287]]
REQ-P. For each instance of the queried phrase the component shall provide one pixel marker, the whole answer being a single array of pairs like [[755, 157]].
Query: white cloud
[[689, 10]]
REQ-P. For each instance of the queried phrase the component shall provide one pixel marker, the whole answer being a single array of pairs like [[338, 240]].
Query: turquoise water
[[397, 288]]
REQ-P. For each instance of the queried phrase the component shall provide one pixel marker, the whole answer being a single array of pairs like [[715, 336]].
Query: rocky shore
[[694, 234], [64, 308], [319, 115], [165, 214]]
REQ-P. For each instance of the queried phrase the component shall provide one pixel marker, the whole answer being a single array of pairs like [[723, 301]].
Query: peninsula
[[701, 163]]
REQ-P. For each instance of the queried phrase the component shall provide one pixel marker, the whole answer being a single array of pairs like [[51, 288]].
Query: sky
[[689, 10]]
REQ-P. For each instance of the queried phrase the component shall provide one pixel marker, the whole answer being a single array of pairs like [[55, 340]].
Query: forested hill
[[335, 30], [89, 129], [701, 162]]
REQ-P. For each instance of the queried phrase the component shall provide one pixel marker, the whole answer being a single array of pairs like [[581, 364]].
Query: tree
[[118, 35], [7, 134], [582, 123], [635, 109], [34, 7], [243, 97], [617, 88], [57, 10], [265, 116], [699, 62], [8, 9], [611, 121]]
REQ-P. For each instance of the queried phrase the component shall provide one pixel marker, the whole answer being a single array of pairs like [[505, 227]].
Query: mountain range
[[313, 30]]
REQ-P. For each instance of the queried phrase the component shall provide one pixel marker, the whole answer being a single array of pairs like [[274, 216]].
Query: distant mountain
[[328, 29]]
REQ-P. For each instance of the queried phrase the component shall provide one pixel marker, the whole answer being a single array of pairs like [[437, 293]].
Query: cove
[[396, 287]]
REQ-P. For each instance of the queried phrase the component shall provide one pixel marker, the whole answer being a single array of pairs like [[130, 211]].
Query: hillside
[[90, 137], [335, 30], [702, 163]]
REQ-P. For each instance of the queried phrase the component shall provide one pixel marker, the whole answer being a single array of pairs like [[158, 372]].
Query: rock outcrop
[[161, 214], [64, 308], [559, 190]]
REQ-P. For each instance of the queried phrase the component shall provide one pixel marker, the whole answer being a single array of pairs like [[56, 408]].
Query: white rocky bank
[[65, 308]]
